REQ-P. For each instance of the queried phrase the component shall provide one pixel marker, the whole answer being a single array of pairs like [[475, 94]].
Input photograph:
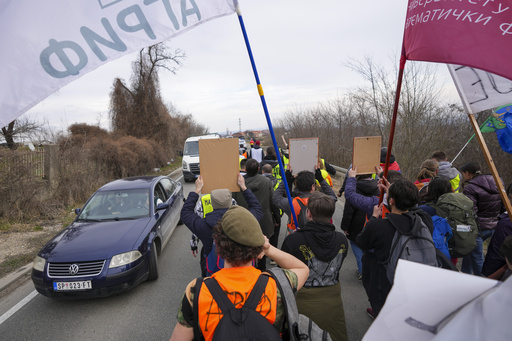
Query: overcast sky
[[300, 49]]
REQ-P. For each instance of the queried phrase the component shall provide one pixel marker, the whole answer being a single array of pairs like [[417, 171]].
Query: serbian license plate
[[63, 286]]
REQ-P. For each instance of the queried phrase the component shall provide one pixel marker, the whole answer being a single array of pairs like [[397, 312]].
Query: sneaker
[[360, 276], [272, 262], [370, 313]]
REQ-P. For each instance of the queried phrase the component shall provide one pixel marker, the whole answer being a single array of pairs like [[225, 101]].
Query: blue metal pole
[[267, 116]]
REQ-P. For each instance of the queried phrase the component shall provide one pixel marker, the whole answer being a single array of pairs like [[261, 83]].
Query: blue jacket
[[202, 227]]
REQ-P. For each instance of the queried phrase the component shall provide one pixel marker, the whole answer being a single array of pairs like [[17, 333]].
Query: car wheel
[[153, 263], [180, 222]]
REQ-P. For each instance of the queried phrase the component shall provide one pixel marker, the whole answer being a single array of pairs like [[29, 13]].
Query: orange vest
[[385, 211], [237, 283], [297, 208]]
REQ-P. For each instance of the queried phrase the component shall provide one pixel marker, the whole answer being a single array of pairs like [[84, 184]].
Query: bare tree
[[20, 127], [138, 110]]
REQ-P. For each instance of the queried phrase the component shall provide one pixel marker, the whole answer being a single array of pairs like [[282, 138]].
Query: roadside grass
[[35, 237], [15, 262]]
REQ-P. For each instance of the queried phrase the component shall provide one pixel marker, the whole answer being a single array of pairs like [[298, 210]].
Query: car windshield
[[191, 148], [124, 204]]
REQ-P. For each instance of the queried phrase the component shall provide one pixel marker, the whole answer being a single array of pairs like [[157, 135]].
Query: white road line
[[18, 306]]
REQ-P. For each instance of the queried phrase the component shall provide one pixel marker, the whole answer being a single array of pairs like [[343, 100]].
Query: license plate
[[63, 286]]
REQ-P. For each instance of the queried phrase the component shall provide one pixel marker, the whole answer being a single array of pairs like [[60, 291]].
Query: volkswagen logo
[[73, 269]]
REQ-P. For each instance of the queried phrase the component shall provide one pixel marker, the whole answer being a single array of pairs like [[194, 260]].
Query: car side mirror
[[77, 211], [180, 152], [162, 206]]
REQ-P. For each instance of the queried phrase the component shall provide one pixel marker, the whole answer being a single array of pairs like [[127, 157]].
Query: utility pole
[[240, 125]]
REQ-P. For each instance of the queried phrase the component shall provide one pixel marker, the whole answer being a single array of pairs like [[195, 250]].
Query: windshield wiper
[[89, 220]]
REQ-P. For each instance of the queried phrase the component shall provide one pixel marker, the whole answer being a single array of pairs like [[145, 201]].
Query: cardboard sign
[[366, 154], [303, 154], [219, 164]]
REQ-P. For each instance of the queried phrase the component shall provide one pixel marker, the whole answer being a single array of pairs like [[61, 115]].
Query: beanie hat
[[257, 142], [241, 226], [221, 198], [383, 152]]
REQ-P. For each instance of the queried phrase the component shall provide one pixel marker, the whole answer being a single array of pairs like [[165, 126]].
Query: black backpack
[[237, 324]]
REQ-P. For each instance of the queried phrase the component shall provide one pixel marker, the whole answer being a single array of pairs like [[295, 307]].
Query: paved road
[[148, 311]]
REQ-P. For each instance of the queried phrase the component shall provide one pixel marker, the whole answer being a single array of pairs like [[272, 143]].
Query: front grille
[[194, 168], [84, 269]]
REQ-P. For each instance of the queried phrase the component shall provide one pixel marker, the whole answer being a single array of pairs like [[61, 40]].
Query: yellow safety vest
[[326, 176], [206, 202]]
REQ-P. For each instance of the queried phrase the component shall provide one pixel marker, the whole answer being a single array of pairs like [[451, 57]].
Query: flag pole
[[267, 116], [393, 120], [483, 145], [483, 125]]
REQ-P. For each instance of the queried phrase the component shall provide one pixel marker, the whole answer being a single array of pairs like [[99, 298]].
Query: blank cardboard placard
[[303, 154], [366, 154], [219, 164]]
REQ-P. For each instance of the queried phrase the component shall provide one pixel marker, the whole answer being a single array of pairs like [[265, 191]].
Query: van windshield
[[191, 148]]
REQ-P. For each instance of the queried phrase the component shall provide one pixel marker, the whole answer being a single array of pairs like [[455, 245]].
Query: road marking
[[18, 306]]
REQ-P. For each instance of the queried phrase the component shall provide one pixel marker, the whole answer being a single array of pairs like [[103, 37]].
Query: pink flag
[[475, 33]]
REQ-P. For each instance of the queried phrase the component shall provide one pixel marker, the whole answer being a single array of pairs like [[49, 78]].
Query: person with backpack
[[442, 229], [487, 205], [318, 245], [366, 204], [211, 308], [382, 235], [220, 201], [305, 185]]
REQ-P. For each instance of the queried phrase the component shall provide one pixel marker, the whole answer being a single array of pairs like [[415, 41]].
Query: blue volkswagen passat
[[114, 242]]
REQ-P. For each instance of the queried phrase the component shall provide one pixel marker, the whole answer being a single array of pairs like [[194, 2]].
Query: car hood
[[86, 241]]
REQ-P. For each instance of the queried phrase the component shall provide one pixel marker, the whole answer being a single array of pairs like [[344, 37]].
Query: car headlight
[[185, 166], [39, 263], [124, 258]]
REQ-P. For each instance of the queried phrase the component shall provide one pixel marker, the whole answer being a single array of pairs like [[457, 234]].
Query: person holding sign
[[304, 185], [221, 201]]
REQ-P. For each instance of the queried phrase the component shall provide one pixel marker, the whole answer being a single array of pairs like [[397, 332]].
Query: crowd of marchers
[[441, 219]]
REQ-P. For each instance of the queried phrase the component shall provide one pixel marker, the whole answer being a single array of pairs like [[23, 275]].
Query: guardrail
[[341, 170]]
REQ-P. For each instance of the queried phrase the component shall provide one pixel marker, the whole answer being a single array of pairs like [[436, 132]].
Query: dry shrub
[[79, 176], [24, 196]]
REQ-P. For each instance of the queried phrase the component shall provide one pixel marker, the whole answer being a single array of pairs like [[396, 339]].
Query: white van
[[191, 156]]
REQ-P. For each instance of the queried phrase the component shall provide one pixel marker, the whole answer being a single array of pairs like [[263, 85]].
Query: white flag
[[48, 43], [480, 90]]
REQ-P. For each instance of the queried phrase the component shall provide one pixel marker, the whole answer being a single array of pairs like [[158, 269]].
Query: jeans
[[472, 263], [358, 253]]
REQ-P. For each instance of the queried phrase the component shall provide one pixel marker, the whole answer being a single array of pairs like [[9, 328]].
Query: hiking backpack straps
[[300, 327], [415, 247], [242, 323], [198, 335]]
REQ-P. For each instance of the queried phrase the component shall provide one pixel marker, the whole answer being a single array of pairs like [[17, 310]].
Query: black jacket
[[354, 219]]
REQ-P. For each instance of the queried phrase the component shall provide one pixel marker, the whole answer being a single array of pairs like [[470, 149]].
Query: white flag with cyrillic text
[[47, 44]]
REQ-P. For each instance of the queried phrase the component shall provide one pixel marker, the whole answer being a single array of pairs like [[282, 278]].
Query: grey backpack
[[416, 246], [300, 327]]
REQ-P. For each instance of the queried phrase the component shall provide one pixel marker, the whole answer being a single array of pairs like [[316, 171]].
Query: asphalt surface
[[179, 267]]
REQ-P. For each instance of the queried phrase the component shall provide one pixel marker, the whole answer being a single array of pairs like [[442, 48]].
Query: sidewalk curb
[[6, 281]]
